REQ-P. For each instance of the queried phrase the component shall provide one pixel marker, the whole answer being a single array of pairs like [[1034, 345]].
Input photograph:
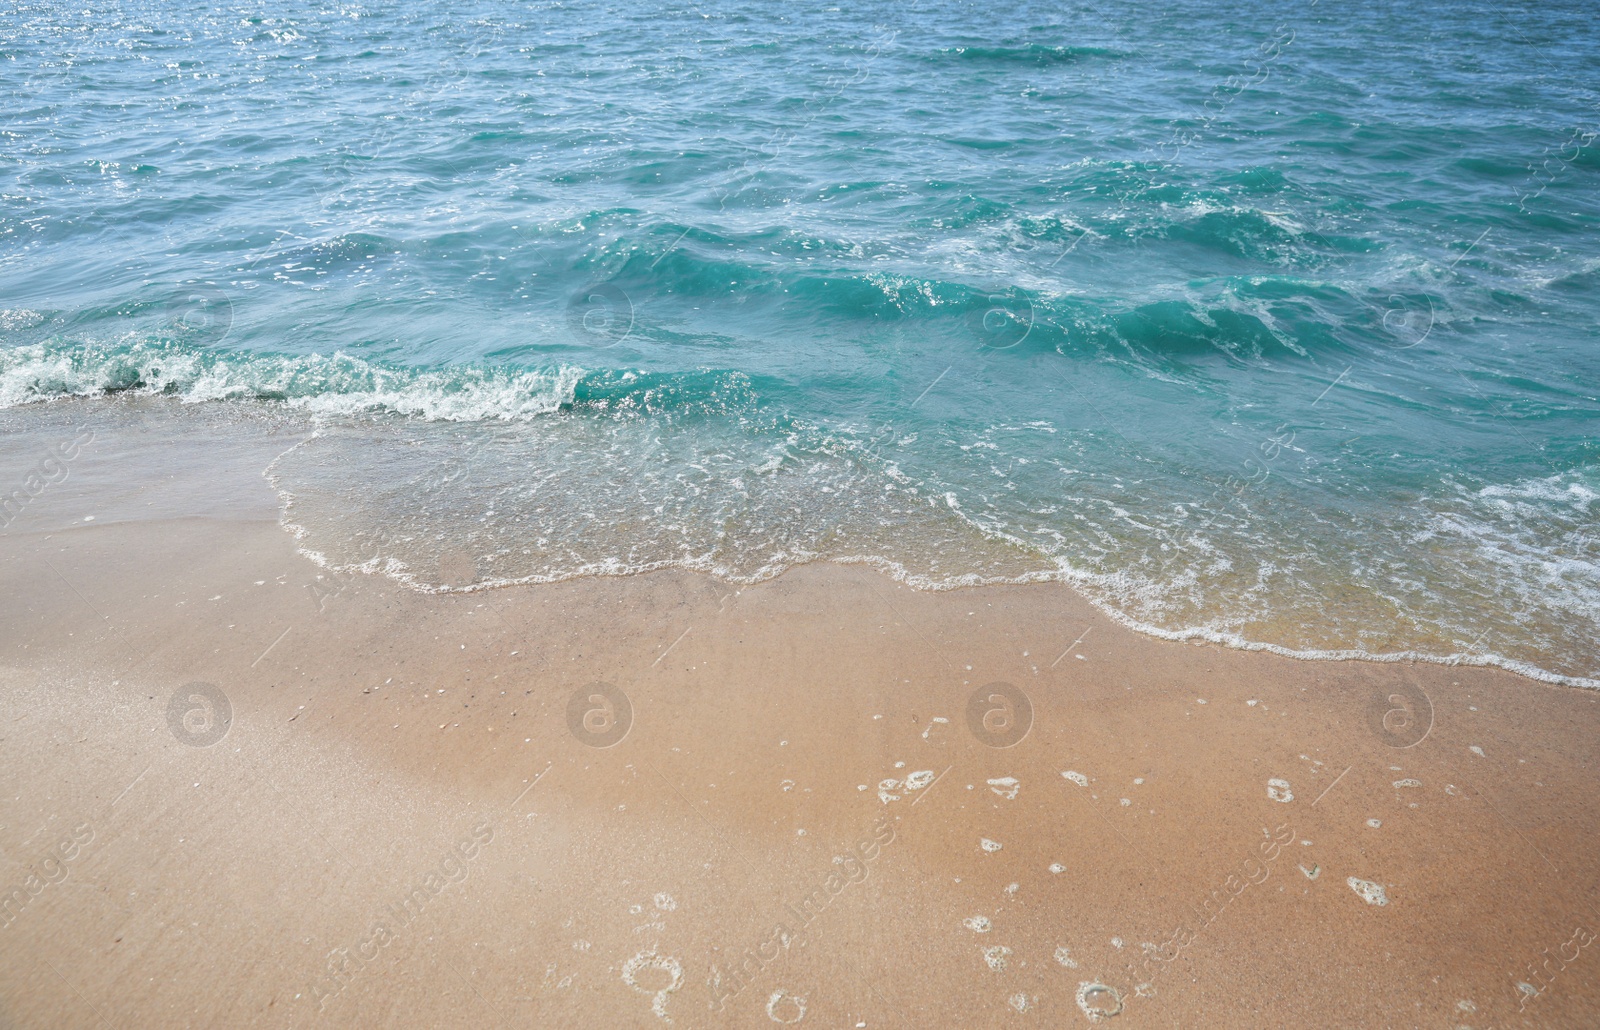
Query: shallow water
[[1274, 326]]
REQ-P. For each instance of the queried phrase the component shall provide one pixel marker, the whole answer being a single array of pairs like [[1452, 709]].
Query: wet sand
[[241, 790]]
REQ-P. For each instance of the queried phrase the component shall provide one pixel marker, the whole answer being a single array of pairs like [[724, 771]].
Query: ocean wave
[[569, 503], [337, 384], [18, 319], [1037, 54]]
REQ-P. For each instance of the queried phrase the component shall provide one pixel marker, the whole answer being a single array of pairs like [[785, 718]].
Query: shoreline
[[152, 417], [349, 738], [230, 772], [897, 573]]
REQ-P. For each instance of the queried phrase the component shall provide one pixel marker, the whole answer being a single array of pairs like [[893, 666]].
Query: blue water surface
[[1264, 322]]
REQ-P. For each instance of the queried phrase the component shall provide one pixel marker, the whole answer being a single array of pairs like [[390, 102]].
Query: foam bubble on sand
[[1005, 786], [885, 788], [1475, 749], [1371, 893], [1097, 1000], [664, 963], [977, 924], [996, 956], [1407, 783], [1064, 957], [1278, 790], [919, 779], [1077, 777], [991, 846], [1057, 867], [1374, 823], [1018, 1001], [666, 902], [793, 1012]]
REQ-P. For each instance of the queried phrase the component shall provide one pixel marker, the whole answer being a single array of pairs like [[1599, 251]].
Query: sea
[[1268, 324]]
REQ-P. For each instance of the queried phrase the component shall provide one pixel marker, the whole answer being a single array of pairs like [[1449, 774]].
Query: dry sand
[[239, 790]]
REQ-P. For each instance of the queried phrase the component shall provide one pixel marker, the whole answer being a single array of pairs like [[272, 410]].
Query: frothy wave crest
[[336, 384]]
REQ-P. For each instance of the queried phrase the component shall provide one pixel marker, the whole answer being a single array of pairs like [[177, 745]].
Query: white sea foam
[[1531, 533], [1005, 786], [1371, 893], [336, 384]]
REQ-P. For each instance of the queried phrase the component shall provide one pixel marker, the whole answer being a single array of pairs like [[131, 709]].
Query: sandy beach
[[243, 790], [845, 516]]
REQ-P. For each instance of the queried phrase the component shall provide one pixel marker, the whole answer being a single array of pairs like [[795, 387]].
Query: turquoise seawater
[[1268, 323]]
